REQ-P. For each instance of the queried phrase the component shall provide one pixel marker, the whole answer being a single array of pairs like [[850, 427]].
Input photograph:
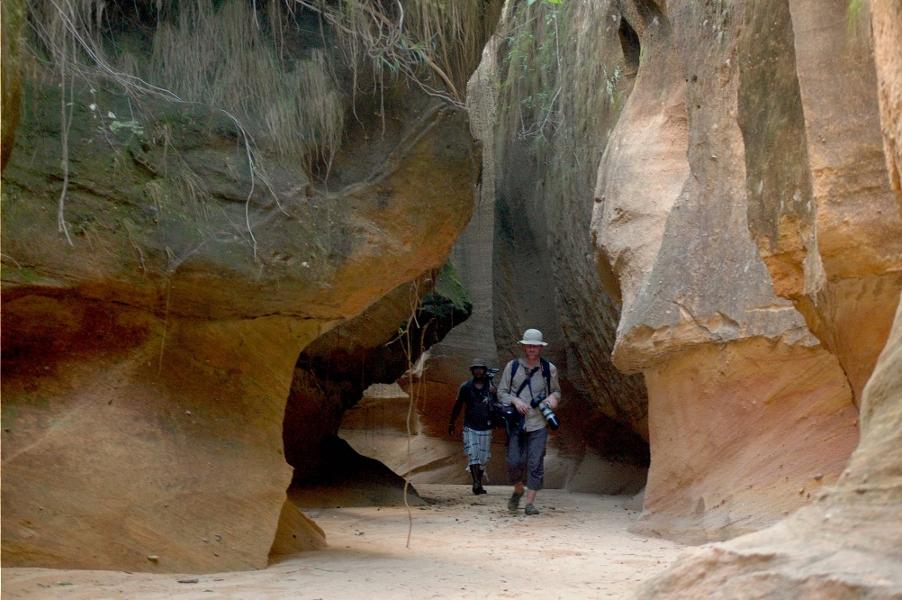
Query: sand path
[[462, 546]]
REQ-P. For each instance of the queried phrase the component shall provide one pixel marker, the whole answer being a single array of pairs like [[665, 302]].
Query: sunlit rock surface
[[846, 544], [750, 226]]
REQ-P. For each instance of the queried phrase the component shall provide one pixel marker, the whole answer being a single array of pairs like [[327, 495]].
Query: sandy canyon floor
[[461, 546]]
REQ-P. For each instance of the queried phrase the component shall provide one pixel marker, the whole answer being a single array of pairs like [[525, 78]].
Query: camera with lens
[[550, 417]]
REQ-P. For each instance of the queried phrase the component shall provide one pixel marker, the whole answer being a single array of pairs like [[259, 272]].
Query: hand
[[551, 401], [521, 406]]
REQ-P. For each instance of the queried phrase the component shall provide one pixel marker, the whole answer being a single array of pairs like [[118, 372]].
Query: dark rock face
[[377, 346], [13, 21]]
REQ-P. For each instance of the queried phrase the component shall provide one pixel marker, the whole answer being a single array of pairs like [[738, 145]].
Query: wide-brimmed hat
[[533, 337], [477, 363]]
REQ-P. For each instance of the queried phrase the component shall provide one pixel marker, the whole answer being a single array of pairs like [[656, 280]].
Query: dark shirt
[[479, 404]]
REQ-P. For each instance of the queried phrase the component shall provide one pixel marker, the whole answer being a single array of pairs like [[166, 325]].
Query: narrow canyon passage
[[461, 546], [252, 250]]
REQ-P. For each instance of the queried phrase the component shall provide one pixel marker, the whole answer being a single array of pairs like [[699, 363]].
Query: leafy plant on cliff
[[531, 61], [857, 21]]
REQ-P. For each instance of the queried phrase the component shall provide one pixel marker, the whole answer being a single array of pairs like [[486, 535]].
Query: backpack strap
[[546, 373]]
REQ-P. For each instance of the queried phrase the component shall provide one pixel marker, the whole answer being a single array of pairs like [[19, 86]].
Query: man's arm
[[461, 398], [504, 386], [505, 391], [554, 397]]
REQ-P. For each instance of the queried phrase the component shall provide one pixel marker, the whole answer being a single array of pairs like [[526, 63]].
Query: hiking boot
[[514, 503], [532, 510], [476, 472]]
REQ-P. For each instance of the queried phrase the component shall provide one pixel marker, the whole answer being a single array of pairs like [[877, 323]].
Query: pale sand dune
[[462, 546]]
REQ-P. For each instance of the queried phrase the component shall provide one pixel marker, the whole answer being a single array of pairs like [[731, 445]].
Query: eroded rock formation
[[377, 346], [847, 542], [844, 545], [751, 397], [526, 254], [146, 365], [746, 245]]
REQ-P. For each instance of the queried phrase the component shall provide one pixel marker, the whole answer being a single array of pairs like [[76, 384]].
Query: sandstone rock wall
[[542, 135], [745, 243], [146, 366], [847, 542], [768, 183], [377, 346], [525, 258]]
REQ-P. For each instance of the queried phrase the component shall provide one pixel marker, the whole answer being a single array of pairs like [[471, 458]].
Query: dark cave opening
[[629, 43]]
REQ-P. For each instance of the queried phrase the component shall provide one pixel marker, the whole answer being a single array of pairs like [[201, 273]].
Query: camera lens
[[549, 416]]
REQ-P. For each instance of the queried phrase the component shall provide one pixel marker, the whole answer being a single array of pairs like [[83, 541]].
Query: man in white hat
[[529, 384]]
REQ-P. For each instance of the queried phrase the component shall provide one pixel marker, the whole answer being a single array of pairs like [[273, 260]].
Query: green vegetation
[[532, 64], [449, 286], [856, 19], [277, 76], [220, 54], [222, 57]]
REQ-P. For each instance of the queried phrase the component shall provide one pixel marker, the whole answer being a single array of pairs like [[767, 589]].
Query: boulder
[[147, 365]]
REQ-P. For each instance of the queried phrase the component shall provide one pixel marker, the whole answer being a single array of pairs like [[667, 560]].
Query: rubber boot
[[479, 488], [476, 474]]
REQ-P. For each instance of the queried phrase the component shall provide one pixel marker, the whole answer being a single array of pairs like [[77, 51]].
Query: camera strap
[[528, 382], [546, 373]]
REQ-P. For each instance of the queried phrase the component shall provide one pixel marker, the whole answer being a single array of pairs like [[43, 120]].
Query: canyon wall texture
[[846, 544], [695, 193], [528, 246], [759, 281], [147, 362], [376, 347], [526, 257]]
